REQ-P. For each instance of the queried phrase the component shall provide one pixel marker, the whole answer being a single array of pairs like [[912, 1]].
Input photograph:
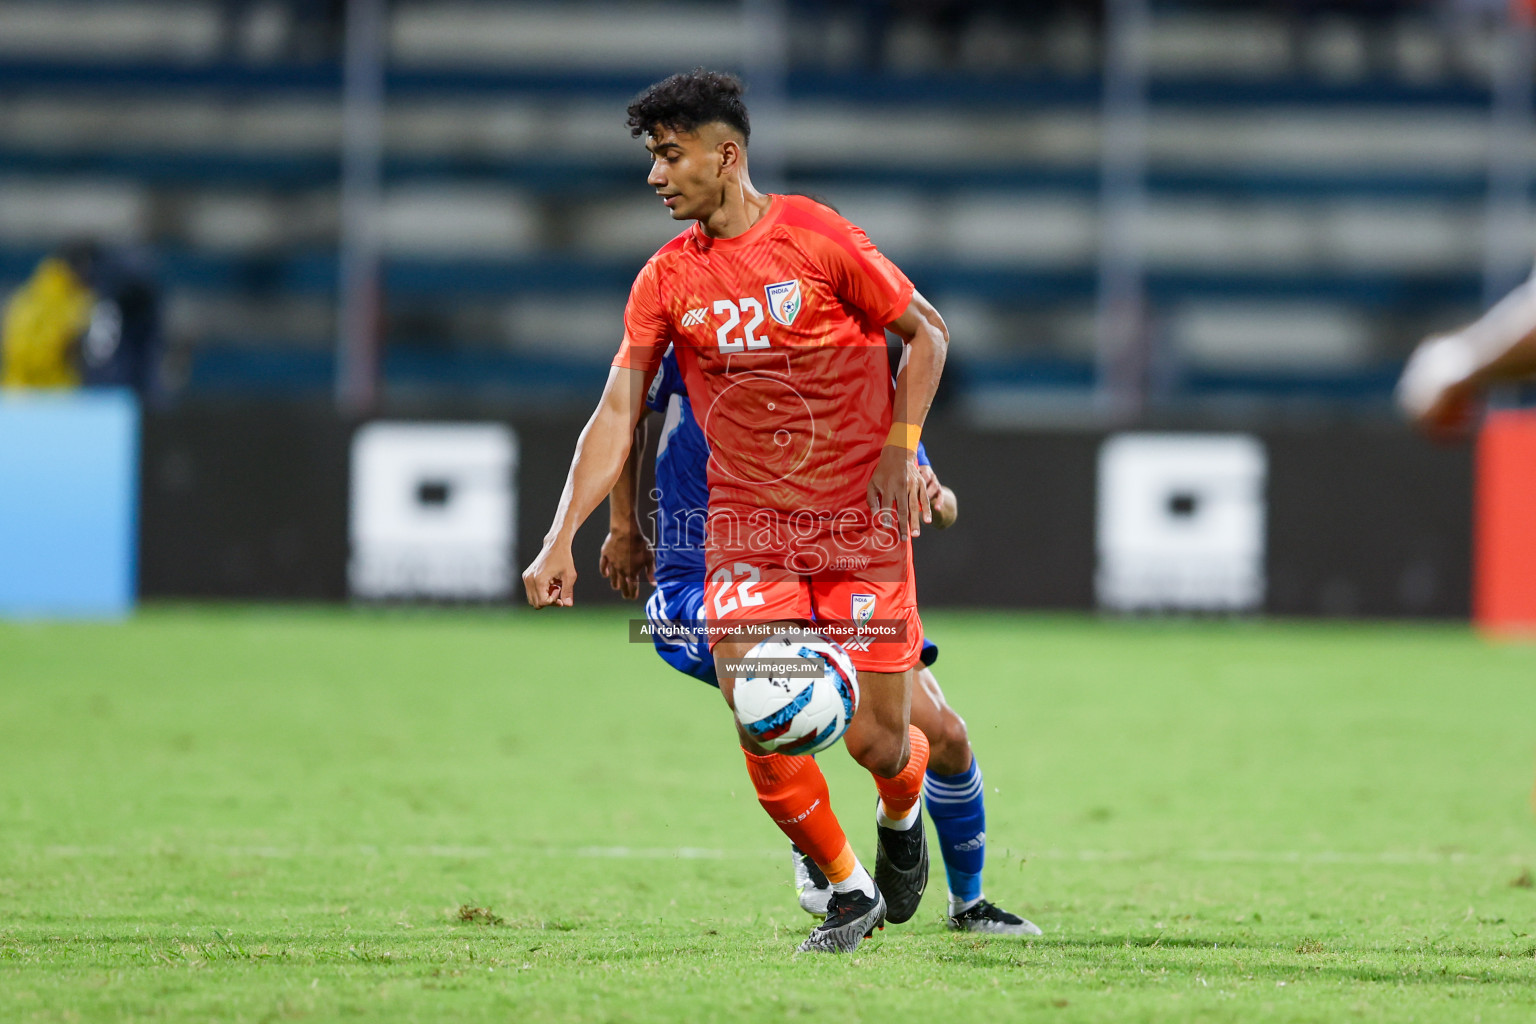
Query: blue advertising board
[[68, 503]]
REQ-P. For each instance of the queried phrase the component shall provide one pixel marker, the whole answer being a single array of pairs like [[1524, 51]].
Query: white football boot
[[812, 886], [990, 919]]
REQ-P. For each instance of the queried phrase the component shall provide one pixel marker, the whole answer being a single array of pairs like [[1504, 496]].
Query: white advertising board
[[1181, 522], [433, 511]]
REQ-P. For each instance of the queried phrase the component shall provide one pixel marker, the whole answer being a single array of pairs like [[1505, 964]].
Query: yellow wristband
[[905, 435]]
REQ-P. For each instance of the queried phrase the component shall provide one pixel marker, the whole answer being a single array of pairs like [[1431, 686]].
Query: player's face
[[687, 171]]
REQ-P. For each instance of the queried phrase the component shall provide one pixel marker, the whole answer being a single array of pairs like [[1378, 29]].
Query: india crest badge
[[784, 301], [861, 608]]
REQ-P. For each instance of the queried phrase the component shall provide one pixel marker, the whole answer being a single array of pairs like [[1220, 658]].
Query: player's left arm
[[626, 559], [896, 483], [941, 499]]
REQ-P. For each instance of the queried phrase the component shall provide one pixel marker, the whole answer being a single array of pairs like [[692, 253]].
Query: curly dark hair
[[690, 99]]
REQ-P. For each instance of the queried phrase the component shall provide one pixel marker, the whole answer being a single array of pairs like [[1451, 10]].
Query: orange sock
[[794, 793], [900, 794]]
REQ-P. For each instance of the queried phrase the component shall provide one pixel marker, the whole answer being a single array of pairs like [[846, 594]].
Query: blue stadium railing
[[312, 272], [970, 93], [302, 171], [967, 91]]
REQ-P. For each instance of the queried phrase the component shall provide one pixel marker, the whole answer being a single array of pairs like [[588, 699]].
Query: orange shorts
[[875, 620]]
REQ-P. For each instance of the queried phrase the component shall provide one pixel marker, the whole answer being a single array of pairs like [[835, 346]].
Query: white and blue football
[[793, 713]]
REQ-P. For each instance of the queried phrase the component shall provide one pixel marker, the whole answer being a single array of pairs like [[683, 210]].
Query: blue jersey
[[682, 485]]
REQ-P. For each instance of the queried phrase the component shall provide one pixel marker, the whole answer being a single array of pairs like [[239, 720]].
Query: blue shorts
[[681, 603]]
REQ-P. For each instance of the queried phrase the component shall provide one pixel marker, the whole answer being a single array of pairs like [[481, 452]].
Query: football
[[796, 695]]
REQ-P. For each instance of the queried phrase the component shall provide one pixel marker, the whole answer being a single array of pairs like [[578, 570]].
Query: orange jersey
[[780, 336]]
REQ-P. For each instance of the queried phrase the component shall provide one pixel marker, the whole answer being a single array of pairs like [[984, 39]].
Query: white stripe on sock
[[901, 824], [859, 880], [945, 787]]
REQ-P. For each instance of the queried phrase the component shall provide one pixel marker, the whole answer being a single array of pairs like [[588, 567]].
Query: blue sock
[[955, 805]]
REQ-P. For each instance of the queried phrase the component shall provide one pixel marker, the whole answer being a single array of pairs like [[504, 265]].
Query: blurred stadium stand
[[1316, 183]]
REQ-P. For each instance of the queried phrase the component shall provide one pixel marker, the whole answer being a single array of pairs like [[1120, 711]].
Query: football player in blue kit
[[673, 559]]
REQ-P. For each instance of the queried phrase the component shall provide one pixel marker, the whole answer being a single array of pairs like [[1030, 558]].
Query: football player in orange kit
[[777, 308]]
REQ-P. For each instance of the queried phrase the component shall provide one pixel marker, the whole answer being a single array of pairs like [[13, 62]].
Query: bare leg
[[877, 736], [949, 745]]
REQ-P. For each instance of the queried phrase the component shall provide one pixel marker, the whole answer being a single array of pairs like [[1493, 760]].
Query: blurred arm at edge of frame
[[1446, 375]]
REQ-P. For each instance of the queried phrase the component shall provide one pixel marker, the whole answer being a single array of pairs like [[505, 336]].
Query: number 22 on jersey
[[734, 311]]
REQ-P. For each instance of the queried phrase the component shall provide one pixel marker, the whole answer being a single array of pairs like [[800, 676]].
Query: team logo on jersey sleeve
[[784, 301]]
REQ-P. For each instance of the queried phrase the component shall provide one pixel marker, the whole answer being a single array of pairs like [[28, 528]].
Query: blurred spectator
[[88, 316], [122, 347], [945, 21], [305, 31], [44, 322]]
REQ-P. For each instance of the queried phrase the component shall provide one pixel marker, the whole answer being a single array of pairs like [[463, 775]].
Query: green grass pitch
[[266, 815]]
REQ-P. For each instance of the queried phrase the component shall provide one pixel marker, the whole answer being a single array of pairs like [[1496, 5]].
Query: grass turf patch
[[315, 814]]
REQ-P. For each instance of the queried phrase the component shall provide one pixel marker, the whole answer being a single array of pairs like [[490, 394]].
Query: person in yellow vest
[[44, 322]]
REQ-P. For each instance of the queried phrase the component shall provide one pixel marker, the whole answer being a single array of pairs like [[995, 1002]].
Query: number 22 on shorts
[[745, 577]]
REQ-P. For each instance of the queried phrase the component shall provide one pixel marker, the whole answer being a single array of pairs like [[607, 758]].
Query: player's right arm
[[1447, 374], [599, 459], [605, 442]]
